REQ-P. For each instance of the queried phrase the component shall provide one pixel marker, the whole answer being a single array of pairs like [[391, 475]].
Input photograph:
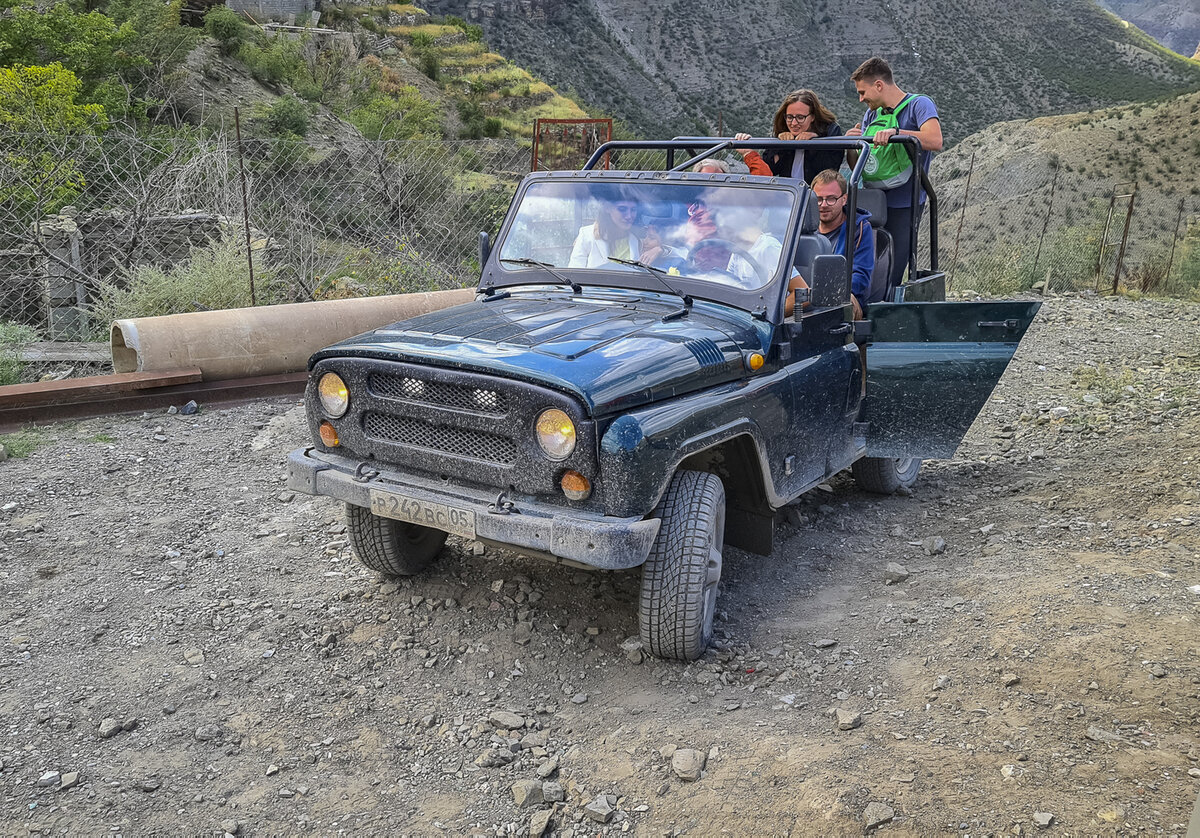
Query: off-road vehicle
[[627, 390]]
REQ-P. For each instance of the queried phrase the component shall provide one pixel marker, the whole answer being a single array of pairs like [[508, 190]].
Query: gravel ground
[[188, 647]]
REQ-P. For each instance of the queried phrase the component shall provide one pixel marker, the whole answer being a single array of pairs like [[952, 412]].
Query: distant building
[[281, 10]]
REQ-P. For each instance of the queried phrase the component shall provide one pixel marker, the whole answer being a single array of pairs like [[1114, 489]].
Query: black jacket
[[815, 161]]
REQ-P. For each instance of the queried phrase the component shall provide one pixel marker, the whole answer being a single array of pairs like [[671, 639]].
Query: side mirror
[[485, 248], [829, 284]]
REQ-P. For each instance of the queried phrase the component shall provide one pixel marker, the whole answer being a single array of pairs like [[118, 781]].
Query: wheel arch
[[749, 517]]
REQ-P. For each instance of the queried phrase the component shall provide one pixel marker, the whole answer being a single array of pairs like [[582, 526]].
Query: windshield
[[720, 233]]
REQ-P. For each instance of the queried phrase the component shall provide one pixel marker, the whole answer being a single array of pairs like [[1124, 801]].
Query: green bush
[[430, 63], [288, 116], [13, 338], [421, 40], [212, 277], [225, 26]]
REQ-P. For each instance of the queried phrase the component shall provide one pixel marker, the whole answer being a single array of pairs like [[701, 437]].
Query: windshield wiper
[[534, 263], [659, 273]]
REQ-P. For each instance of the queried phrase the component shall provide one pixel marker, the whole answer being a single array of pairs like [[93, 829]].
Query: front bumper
[[595, 540]]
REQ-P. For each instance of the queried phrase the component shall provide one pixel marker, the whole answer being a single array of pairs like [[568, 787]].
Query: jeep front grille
[[444, 439], [478, 399]]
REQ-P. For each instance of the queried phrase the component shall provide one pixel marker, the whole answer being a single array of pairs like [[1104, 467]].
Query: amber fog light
[[329, 435], [555, 433], [575, 486], [755, 361], [335, 398]]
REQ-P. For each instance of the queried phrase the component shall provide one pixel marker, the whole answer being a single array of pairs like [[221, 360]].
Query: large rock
[[848, 719], [506, 720], [599, 810], [894, 573], [527, 793], [877, 814], [687, 763], [539, 823]]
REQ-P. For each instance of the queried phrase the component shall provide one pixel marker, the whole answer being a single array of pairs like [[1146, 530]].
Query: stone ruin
[[49, 281]]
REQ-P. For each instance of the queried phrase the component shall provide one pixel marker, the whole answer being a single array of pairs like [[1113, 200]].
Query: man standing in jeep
[[915, 116]]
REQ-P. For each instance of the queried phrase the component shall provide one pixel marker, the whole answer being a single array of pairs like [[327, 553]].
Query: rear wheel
[[884, 475], [393, 548], [679, 579]]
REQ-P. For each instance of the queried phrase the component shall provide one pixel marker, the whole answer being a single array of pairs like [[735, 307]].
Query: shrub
[[13, 338], [212, 277], [288, 116], [430, 63], [225, 26]]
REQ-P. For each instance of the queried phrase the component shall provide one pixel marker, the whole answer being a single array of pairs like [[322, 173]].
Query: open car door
[[930, 368]]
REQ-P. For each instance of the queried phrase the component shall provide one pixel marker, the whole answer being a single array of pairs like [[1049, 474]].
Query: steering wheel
[[733, 250]]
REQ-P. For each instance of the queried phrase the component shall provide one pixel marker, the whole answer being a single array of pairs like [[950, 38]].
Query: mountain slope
[[678, 65], [1173, 23]]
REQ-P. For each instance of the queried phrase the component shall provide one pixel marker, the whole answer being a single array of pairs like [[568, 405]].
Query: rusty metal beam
[[80, 398]]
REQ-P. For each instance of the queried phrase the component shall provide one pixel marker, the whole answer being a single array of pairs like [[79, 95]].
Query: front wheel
[[393, 548], [679, 578], [884, 475]]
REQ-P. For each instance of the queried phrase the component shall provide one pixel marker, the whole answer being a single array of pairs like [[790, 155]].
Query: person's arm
[[579, 253], [753, 159], [930, 131], [856, 131], [789, 305], [864, 261]]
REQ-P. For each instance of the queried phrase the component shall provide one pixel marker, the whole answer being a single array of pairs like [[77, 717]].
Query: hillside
[[1053, 178], [1173, 23], [674, 66]]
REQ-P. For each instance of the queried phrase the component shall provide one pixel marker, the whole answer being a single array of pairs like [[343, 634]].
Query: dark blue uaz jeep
[[626, 389]]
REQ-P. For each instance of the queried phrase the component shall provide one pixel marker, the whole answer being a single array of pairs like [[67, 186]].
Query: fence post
[[1124, 237], [1174, 241], [237, 124], [1045, 224], [962, 217]]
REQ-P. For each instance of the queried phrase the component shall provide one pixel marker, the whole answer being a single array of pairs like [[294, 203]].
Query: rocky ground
[[188, 647]]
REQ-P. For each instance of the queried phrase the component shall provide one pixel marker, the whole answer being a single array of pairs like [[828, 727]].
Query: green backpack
[[889, 165]]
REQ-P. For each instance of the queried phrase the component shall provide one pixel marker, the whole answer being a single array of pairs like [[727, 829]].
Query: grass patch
[[21, 443], [13, 338], [1108, 386], [103, 438]]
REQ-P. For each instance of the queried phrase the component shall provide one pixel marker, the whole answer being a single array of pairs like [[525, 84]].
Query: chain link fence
[[123, 225]]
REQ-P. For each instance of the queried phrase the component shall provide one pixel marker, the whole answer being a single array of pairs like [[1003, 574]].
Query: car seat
[[874, 201], [810, 244]]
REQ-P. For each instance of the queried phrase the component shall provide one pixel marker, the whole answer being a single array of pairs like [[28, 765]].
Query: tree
[[39, 116]]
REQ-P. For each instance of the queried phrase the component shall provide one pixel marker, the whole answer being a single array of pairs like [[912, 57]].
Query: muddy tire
[[393, 548], [884, 475], [679, 579]]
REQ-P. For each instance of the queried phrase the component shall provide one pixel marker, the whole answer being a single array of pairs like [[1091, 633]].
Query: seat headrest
[[874, 201], [811, 218]]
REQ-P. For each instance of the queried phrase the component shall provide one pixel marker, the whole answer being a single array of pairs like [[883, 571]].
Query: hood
[[610, 348]]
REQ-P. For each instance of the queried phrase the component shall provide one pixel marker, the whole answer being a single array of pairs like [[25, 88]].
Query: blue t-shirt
[[918, 111]]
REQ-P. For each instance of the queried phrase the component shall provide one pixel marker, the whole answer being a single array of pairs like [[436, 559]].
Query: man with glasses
[[829, 189]]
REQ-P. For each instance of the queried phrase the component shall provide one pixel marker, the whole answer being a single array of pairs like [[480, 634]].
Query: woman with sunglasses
[[612, 233], [803, 117]]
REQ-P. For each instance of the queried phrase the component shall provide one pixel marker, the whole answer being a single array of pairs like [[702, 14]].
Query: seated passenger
[[612, 233], [829, 189], [738, 246]]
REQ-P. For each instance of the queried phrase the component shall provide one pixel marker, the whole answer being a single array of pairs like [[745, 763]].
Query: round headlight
[[335, 398], [555, 433]]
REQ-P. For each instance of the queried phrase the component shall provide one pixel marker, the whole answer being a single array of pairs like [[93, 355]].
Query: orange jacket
[[757, 165]]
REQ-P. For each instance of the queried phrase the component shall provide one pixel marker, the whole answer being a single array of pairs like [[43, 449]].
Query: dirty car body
[[614, 414]]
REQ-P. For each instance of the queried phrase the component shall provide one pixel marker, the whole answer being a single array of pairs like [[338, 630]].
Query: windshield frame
[[496, 276]]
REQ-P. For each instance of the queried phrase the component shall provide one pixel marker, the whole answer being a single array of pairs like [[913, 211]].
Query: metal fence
[[93, 228]]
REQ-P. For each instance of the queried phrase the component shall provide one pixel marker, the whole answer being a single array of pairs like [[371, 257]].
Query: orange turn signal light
[[754, 361], [575, 486], [329, 435]]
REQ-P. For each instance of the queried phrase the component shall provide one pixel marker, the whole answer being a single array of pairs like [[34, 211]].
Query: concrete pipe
[[265, 340]]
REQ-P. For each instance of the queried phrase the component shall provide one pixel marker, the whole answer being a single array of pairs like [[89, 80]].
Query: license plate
[[413, 511]]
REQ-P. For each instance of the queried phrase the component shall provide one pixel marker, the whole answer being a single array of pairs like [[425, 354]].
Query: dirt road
[[188, 647]]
